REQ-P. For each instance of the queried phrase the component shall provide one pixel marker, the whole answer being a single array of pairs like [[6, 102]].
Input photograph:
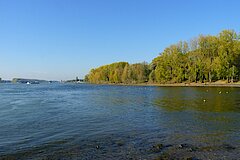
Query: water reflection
[[200, 116], [198, 99]]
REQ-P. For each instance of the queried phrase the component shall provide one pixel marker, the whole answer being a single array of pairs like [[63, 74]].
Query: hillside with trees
[[202, 59]]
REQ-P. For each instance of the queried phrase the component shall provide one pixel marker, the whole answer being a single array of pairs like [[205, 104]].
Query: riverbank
[[213, 84]]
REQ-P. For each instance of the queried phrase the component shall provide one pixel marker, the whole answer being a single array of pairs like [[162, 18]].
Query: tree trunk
[[209, 76], [232, 74]]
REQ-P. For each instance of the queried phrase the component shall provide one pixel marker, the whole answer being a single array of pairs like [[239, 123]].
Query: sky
[[62, 39]]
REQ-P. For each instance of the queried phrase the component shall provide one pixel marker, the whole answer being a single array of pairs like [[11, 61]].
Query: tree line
[[120, 72], [202, 59]]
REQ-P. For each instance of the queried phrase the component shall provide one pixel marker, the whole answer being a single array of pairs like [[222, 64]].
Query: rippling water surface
[[81, 121]]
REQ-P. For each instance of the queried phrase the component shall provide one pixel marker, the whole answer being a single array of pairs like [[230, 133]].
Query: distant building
[[77, 80]]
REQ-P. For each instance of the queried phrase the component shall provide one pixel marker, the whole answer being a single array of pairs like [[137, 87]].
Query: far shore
[[207, 84]]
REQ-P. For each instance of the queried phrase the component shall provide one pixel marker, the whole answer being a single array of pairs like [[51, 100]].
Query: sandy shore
[[197, 85], [214, 84]]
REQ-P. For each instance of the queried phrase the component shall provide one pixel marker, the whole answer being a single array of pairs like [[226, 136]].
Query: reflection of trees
[[192, 120], [197, 99]]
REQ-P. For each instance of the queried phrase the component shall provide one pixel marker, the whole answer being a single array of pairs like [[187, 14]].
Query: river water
[[82, 121]]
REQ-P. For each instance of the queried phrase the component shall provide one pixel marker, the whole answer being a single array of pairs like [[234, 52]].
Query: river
[[83, 121]]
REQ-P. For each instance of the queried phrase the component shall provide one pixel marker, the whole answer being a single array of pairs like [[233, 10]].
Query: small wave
[[17, 102]]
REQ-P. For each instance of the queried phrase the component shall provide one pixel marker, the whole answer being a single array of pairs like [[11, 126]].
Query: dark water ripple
[[68, 121]]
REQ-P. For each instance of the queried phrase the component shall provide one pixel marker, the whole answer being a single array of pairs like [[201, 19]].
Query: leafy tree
[[203, 59]]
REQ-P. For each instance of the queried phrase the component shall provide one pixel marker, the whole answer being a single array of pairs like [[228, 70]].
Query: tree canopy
[[202, 59]]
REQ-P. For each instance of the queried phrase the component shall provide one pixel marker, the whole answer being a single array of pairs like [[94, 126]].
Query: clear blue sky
[[62, 39]]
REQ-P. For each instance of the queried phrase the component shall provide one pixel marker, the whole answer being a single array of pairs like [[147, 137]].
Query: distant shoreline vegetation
[[204, 59], [30, 81]]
